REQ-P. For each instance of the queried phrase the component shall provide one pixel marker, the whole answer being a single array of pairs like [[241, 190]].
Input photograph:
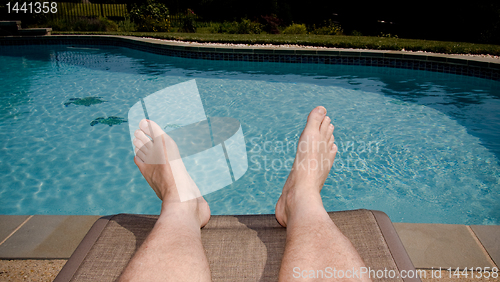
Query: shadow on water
[[473, 102]]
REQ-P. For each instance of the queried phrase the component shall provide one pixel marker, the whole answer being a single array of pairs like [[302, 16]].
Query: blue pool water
[[420, 146]]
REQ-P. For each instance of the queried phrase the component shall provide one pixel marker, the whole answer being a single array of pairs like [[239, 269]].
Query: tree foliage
[[150, 16]]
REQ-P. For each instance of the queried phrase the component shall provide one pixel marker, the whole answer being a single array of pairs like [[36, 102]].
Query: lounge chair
[[239, 248]]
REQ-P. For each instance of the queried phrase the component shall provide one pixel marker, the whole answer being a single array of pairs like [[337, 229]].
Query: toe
[[329, 131], [315, 118], [138, 162], [139, 145], [151, 128], [139, 157], [142, 138], [325, 124], [334, 149], [331, 141]]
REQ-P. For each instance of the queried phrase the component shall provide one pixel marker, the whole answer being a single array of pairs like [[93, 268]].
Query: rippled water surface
[[420, 146]]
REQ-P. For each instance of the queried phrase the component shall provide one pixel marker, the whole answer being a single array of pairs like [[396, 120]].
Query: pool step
[[13, 28]]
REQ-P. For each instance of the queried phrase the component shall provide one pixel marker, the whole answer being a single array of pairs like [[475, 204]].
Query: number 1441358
[[32, 7]]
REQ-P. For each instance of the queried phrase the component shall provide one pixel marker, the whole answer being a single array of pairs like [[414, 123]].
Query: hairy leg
[[173, 250], [314, 244]]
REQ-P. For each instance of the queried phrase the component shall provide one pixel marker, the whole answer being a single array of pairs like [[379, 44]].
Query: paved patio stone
[[9, 223], [47, 236], [489, 235], [442, 245]]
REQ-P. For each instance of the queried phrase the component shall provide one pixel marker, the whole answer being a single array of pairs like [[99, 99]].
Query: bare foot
[[159, 161], [313, 161]]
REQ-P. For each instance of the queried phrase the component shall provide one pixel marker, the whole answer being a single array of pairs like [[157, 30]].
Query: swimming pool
[[420, 146]]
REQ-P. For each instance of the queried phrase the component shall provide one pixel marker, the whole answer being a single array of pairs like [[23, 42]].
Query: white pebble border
[[302, 47]]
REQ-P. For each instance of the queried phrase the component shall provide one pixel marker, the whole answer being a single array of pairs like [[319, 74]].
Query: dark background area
[[477, 21]]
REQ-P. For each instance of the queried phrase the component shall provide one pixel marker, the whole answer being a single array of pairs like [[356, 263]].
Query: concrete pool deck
[[40, 245]]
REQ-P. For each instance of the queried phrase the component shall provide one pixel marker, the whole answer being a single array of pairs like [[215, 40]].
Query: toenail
[[321, 110]]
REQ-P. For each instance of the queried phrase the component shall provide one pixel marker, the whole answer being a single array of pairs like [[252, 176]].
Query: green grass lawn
[[339, 41]]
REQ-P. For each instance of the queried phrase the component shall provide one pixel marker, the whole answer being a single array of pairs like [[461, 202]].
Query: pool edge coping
[[470, 66]]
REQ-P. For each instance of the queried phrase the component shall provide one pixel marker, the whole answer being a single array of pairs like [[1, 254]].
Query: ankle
[[183, 211], [304, 195], [303, 202]]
